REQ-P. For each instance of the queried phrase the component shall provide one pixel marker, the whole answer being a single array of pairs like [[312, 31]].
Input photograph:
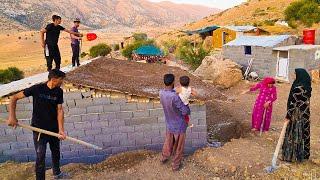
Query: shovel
[[55, 135], [263, 121], [273, 166]]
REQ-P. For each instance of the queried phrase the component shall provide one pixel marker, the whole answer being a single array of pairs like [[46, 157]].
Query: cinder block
[[202, 122], [87, 152], [203, 135], [145, 106], [24, 114], [143, 113], [127, 142], [90, 117], [126, 129], [116, 150], [77, 111], [149, 120], [68, 125], [3, 109], [118, 100], [111, 108], [14, 132], [154, 147], [161, 119], [87, 94], [110, 130], [95, 109], [82, 125], [72, 119], [27, 151], [99, 124], [71, 103], [23, 101], [119, 136], [28, 107], [102, 138], [72, 95], [104, 152], [70, 154], [132, 122], [83, 103], [101, 101], [157, 105], [128, 107], [20, 158], [116, 122], [76, 133], [107, 116], [135, 135], [4, 115], [199, 142], [156, 112], [124, 115], [158, 140], [198, 115], [143, 141], [4, 146], [91, 132], [143, 128], [8, 138], [114, 143], [199, 128], [11, 152], [151, 134], [193, 135]]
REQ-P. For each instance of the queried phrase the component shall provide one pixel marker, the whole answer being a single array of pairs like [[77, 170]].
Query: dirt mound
[[14, 171], [223, 73]]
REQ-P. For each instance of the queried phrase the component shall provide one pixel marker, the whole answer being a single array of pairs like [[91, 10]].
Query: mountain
[[99, 14]]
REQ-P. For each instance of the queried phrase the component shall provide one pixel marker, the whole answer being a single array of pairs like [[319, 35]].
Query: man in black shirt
[[48, 115], [50, 44]]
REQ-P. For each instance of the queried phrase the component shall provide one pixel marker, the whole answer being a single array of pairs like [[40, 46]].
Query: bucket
[[309, 36]]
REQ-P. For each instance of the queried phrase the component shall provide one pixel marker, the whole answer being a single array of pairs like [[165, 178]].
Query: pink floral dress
[[259, 112]]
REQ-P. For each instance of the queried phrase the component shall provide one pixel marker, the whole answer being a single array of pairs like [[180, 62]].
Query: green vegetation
[[10, 74], [83, 54], [140, 36], [100, 50], [127, 51], [116, 47], [305, 11]]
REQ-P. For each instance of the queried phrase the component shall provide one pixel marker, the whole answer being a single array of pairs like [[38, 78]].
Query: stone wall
[[115, 122]]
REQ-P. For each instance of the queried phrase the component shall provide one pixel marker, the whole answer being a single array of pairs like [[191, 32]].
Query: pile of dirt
[[223, 73]]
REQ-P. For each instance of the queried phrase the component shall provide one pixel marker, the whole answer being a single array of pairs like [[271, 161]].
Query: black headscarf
[[302, 79]]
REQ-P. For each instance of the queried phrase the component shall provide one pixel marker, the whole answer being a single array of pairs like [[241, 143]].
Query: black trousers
[[52, 53], [41, 147], [75, 54]]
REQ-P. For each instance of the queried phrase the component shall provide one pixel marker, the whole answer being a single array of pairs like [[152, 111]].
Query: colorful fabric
[[174, 146], [259, 113]]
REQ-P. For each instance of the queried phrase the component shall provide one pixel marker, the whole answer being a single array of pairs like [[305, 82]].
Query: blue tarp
[[148, 50], [262, 41]]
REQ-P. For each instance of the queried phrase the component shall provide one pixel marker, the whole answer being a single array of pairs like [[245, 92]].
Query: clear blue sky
[[222, 4]]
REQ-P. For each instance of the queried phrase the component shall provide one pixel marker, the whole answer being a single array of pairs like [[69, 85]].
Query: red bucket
[[91, 36], [309, 36]]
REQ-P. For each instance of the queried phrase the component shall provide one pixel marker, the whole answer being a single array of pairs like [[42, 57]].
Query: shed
[[149, 53], [259, 49], [296, 56], [226, 34], [204, 32]]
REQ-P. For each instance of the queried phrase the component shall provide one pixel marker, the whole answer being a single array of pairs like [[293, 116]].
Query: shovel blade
[[270, 169]]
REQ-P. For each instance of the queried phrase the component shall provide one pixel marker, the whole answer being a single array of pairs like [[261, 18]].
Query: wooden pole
[[56, 135]]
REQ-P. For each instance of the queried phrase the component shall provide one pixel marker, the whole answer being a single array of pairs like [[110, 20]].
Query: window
[[247, 50]]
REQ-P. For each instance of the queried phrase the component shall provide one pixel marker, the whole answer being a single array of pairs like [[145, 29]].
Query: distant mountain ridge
[[100, 14]]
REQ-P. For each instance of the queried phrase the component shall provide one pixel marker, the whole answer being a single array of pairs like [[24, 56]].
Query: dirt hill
[[101, 13]]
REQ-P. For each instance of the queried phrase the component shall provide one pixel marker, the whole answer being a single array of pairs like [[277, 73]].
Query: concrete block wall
[[112, 123]]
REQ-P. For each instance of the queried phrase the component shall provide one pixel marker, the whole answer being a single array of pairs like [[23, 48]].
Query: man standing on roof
[[75, 43], [50, 44]]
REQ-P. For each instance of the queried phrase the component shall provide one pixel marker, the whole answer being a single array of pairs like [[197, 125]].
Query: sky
[[222, 4]]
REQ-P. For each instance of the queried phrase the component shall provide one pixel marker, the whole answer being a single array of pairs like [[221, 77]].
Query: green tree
[[101, 49]]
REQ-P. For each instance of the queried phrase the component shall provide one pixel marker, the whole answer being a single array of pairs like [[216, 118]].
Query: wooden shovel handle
[[56, 135], [280, 142]]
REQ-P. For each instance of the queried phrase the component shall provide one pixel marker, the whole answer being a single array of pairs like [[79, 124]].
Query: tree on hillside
[[306, 11]]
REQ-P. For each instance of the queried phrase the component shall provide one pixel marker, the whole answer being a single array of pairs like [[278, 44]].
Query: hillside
[[248, 13], [98, 14]]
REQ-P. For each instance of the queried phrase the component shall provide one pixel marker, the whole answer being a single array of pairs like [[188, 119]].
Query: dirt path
[[243, 158]]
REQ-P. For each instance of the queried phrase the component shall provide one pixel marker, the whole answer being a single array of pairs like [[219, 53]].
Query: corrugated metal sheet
[[241, 28], [203, 30], [262, 41], [148, 51], [298, 47]]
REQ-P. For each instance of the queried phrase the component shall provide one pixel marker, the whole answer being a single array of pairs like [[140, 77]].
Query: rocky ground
[[243, 158]]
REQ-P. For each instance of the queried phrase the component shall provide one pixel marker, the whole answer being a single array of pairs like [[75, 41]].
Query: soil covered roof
[[135, 78]]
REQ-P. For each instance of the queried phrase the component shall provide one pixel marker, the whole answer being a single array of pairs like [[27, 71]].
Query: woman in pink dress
[[263, 107]]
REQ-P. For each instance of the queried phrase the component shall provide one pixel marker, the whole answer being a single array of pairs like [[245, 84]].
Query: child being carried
[[185, 92]]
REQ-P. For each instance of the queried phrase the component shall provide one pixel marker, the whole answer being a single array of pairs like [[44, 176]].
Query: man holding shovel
[[47, 114]]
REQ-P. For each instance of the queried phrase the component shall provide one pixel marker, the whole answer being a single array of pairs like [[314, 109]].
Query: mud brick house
[[260, 49], [113, 104]]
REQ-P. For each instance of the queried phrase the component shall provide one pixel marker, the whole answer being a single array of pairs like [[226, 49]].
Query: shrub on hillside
[[116, 47], [83, 54], [10, 74], [140, 36], [99, 50], [193, 56], [306, 11]]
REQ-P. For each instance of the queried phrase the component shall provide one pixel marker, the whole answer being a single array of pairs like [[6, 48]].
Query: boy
[[75, 43]]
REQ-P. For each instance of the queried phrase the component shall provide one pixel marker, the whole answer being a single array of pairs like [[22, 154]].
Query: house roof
[[298, 47], [262, 41], [132, 78], [203, 30], [148, 50], [241, 28]]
